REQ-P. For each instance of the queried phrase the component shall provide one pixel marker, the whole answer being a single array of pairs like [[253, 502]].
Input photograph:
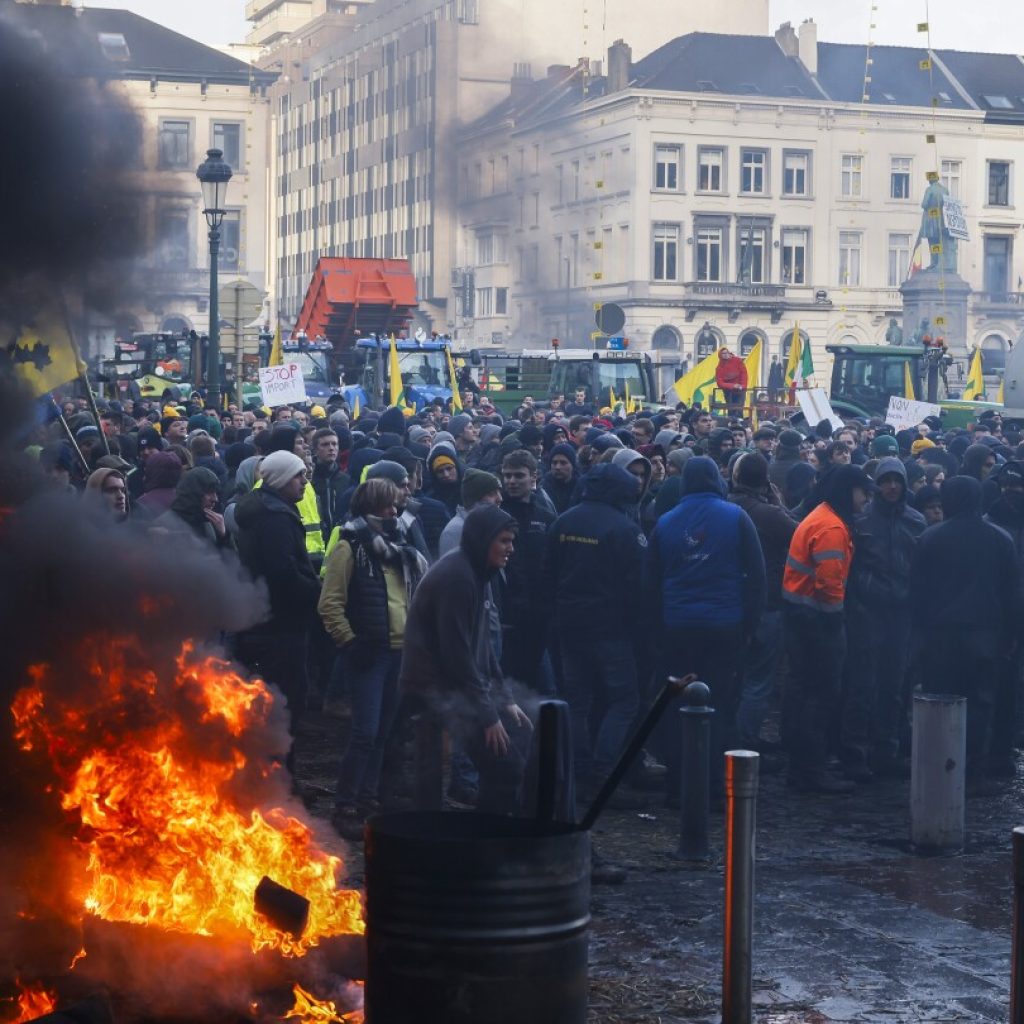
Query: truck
[[423, 364], [147, 365], [506, 378]]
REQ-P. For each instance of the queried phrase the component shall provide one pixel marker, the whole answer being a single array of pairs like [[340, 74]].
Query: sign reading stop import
[[282, 385]]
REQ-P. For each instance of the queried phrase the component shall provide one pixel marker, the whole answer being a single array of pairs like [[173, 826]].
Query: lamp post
[[214, 174]]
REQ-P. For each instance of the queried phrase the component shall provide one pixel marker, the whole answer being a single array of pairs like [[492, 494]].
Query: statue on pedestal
[[894, 335], [941, 244]]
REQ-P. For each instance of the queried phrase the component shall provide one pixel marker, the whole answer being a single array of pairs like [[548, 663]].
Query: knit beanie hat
[[457, 424], [751, 471], [920, 445], [790, 439], [440, 461], [388, 470], [883, 445], [478, 484], [280, 467]]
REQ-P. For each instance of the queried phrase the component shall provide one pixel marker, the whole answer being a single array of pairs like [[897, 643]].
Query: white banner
[[953, 215], [282, 385], [815, 406], [904, 413]]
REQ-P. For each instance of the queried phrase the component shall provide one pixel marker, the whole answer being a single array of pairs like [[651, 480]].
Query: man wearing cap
[[878, 628], [465, 433], [478, 488], [272, 546], [787, 455]]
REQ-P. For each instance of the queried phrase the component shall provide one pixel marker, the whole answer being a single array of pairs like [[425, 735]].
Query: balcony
[[734, 299], [998, 302]]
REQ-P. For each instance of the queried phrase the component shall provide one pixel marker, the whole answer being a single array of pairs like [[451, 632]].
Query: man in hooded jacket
[[449, 663], [594, 556], [965, 606], [878, 627]]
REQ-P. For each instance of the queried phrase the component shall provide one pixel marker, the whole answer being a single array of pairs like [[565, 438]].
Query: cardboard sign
[[953, 215], [282, 385], [815, 406], [905, 413]]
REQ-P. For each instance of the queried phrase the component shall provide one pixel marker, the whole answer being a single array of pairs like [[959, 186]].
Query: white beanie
[[280, 467]]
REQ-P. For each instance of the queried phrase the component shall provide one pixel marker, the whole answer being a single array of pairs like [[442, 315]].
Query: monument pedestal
[[930, 295]]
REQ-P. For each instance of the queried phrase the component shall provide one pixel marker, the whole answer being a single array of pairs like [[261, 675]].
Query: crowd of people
[[466, 564]]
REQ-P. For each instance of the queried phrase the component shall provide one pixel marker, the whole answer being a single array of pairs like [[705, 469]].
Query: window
[[227, 137], [754, 172], [795, 176], [899, 258], [535, 209], [852, 178], [709, 254], [998, 102], [175, 150], [666, 252], [484, 249], [998, 183], [899, 177], [501, 302], [794, 255], [575, 193], [711, 170], [752, 255], [666, 168], [993, 353], [998, 259], [484, 301], [950, 173], [172, 238], [849, 258], [560, 174], [228, 257]]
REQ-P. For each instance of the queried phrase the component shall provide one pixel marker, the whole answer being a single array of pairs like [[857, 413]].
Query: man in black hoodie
[[594, 557], [878, 627], [448, 659], [965, 610]]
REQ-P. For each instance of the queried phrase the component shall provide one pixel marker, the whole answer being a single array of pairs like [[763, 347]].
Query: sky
[[993, 25]]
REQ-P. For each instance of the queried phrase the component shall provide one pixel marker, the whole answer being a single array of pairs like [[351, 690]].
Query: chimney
[[786, 38], [808, 45], [557, 71], [522, 80], [620, 66]]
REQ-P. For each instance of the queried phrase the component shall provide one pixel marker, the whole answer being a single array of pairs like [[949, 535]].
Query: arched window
[[666, 338], [708, 341], [748, 339], [175, 325], [993, 353], [787, 343]]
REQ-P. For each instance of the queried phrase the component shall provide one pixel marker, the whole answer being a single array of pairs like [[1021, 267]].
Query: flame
[[310, 1010], [34, 1001], [151, 769], [80, 955]]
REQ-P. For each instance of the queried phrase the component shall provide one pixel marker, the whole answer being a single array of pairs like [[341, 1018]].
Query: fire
[[152, 768], [310, 1010], [33, 1002]]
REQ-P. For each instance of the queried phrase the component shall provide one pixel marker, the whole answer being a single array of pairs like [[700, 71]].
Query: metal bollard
[[428, 759], [695, 768], [1017, 960], [556, 785], [937, 773], [741, 774]]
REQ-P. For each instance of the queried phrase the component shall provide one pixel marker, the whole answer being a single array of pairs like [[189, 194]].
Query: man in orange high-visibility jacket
[[813, 594]]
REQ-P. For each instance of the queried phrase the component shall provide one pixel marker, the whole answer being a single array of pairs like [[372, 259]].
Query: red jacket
[[731, 373]]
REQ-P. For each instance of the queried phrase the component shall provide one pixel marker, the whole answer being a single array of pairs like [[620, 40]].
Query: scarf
[[390, 550]]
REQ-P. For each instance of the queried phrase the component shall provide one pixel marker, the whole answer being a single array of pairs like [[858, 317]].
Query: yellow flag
[[908, 383], [611, 397], [793, 362], [974, 389], [355, 408], [276, 350], [753, 365], [1001, 393], [42, 353], [456, 397], [629, 405], [699, 383], [395, 375]]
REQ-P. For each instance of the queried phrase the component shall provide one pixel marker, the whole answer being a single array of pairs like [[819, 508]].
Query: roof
[[991, 79], [121, 44]]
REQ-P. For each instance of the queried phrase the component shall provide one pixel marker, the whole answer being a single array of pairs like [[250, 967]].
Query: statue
[[933, 227], [922, 336], [894, 335]]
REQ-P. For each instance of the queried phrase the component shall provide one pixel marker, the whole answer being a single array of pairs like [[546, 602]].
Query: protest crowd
[[467, 564]]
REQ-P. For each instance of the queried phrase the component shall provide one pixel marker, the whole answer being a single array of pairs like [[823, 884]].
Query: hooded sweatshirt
[[186, 511], [561, 491], [449, 494], [448, 656], [704, 566], [162, 473]]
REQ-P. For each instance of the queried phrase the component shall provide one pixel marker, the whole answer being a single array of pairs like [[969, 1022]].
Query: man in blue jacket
[[705, 587], [594, 560]]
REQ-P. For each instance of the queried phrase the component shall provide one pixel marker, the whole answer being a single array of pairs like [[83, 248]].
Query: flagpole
[[83, 376], [70, 437]]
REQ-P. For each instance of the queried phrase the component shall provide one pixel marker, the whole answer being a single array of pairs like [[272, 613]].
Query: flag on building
[[793, 362], [974, 389], [699, 383], [43, 353], [395, 376], [453, 377], [276, 349], [909, 390]]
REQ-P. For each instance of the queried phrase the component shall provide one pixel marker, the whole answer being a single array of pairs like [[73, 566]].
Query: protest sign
[[815, 406], [282, 385], [904, 413]]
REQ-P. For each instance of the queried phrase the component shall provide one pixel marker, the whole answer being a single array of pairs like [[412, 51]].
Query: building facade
[[725, 189]]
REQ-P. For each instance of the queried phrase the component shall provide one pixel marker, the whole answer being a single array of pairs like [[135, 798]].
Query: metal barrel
[[1017, 961], [476, 919], [939, 753], [741, 776]]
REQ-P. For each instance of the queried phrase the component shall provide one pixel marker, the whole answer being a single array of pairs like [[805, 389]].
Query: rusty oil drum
[[476, 919]]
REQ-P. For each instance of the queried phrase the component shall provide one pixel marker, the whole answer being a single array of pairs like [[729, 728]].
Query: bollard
[[1017, 961], [556, 786], [937, 773], [428, 759], [695, 768], [741, 772]]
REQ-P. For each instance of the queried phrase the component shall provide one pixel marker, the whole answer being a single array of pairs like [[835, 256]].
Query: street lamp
[[214, 175]]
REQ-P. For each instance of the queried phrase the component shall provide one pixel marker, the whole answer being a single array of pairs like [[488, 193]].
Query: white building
[[742, 183]]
